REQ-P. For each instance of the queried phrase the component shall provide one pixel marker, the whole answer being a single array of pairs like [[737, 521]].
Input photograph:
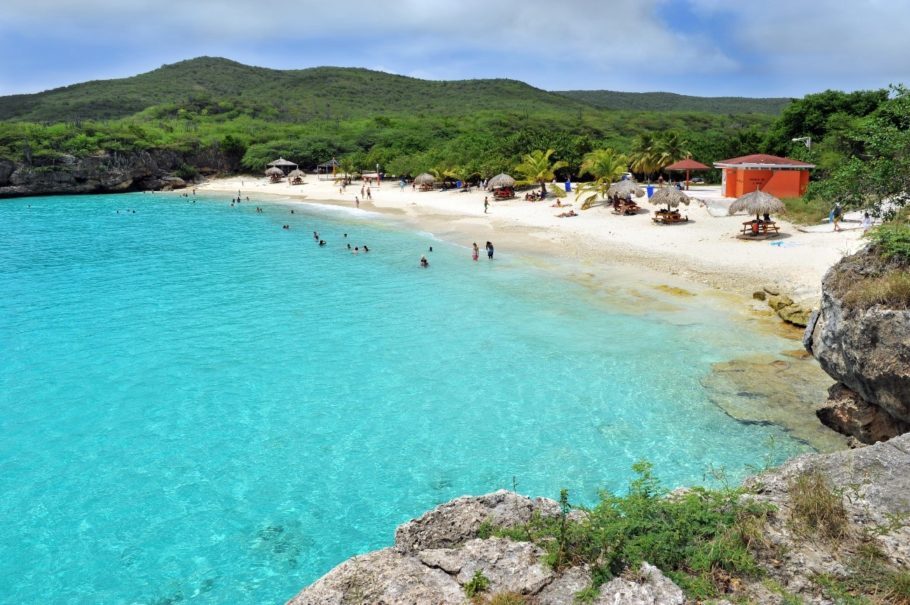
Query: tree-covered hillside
[[667, 101], [289, 95]]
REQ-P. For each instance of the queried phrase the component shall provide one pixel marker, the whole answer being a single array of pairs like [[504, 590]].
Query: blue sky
[[701, 47]]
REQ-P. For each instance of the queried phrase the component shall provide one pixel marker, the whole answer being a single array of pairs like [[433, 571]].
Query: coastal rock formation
[[437, 555], [107, 173], [866, 349], [785, 307]]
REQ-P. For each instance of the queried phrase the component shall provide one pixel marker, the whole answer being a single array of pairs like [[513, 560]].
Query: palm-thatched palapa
[[425, 179], [671, 196], [625, 189], [500, 181], [274, 171], [757, 202], [282, 163], [297, 173]]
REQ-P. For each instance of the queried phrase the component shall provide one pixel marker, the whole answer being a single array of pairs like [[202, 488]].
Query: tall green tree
[[536, 167]]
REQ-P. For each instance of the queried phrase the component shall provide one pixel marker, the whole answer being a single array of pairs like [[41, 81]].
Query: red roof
[[762, 160], [687, 164]]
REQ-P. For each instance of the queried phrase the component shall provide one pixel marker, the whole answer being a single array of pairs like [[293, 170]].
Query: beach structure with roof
[[782, 177]]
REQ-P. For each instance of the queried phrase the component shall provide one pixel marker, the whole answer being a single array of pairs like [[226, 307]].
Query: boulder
[[384, 577], [455, 522], [759, 295], [649, 587], [848, 414], [772, 290], [795, 314], [777, 302]]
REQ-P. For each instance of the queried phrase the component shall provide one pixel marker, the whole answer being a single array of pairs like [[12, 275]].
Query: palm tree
[[606, 166], [671, 147], [536, 167], [644, 156], [346, 165]]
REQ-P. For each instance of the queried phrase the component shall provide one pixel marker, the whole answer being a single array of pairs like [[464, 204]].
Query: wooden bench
[[763, 227]]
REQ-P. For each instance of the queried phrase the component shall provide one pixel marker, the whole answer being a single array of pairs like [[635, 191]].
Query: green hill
[[221, 86], [289, 95], [668, 101]]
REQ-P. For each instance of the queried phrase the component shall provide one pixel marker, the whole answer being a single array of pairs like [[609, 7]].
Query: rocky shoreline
[[112, 172], [436, 556]]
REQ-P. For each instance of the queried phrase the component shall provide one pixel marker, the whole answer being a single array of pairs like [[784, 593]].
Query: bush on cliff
[[700, 538]]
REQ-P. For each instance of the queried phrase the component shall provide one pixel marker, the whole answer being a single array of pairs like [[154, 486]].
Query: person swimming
[[322, 242], [424, 263], [365, 249]]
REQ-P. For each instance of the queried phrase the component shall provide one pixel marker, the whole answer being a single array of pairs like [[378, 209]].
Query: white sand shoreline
[[704, 251]]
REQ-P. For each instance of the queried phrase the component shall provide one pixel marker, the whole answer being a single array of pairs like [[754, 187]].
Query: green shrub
[[892, 240], [478, 583], [700, 538]]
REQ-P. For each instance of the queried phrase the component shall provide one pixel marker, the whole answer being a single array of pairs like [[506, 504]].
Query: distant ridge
[[668, 101], [222, 85]]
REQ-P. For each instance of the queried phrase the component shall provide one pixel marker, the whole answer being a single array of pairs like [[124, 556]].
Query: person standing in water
[[424, 262], [490, 250], [475, 253]]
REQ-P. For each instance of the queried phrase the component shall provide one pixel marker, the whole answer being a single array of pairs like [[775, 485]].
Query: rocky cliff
[[107, 173], [865, 348], [436, 556]]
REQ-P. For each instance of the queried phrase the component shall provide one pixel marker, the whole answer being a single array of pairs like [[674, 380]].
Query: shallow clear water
[[196, 404]]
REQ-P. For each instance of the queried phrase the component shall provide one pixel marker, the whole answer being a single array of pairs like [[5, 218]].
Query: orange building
[[781, 177]]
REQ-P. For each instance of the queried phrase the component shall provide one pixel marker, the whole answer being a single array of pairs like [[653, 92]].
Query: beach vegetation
[[536, 167], [700, 538], [477, 584], [605, 166]]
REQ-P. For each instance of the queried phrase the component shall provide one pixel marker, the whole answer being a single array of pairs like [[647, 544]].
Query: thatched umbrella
[[625, 189], [671, 196], [757, 202], [500, 181], [297, 174], [425, 179], [274, 171]]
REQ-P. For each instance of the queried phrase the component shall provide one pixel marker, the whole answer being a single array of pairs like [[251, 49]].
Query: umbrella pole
[[687, 180]]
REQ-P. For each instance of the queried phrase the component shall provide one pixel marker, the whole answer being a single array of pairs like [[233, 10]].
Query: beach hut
[[326, 171], [762, 205], [282, 164], [425, 181], [502, 185], [274, 173], [783, 177], [672, 197], [688, 165]]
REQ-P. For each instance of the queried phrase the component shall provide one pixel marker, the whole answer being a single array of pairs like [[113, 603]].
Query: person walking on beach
[[357, 201], [486, 204], [490, 250], [475, 254], [836, 214], [369, 195]]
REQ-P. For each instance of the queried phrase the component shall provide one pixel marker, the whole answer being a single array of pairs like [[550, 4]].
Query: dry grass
[[891, 289], [500, 598], [816, 507]]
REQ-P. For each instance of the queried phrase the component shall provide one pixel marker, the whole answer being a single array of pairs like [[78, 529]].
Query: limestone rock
[[455, 522], [510, 566], [777, 302], [795, 314], [653, 589], [847, 413], [865, 349], [384, 577], [759, 295], [772, 290], [562, 590]]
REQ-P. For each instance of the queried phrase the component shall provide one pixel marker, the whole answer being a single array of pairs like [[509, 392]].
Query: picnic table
[[756, 227]]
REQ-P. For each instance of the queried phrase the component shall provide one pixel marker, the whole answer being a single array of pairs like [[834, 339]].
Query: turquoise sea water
[[197, 405]]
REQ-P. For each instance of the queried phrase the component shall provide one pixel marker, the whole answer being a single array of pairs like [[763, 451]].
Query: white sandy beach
[[704, 250]]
